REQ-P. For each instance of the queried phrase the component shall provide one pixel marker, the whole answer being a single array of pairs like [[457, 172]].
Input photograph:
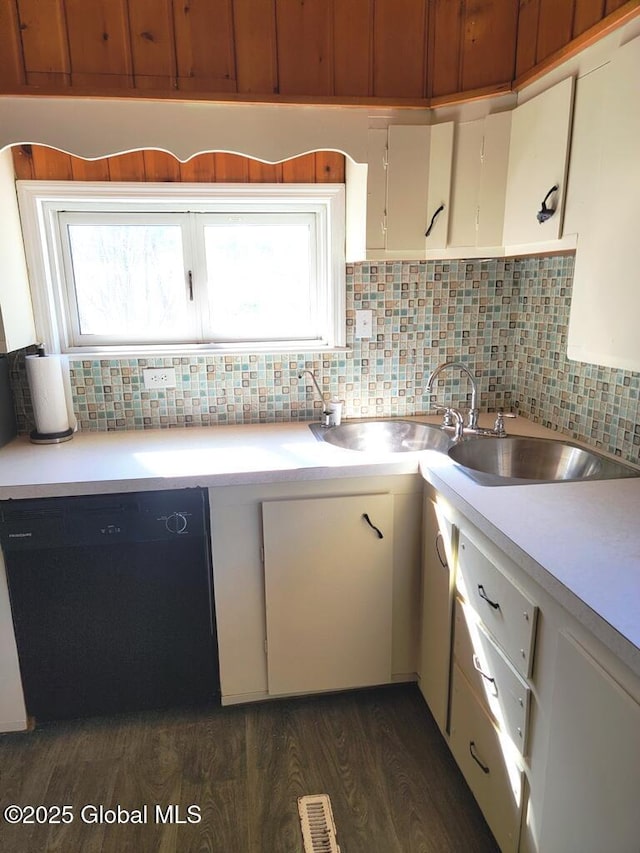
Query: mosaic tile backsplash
[[505, 319]]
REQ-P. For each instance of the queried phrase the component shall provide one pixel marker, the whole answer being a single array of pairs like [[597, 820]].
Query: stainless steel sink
[[384, 436], [519, 460]]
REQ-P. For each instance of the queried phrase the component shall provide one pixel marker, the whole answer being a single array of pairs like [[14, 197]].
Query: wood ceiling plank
[[400, 39], [527, 38], [99, 43], [23, 162], [445, 48], [300, 170], [44, 42], [255, 43], [612, 5], [204, 45], [353, 47], [160, 166], [11, 57], [304, 34], [90, 170], [152, 44], [231, 168], [330, 167], [489, 43], [555, 26], [49, 164], [586, 14], [264, 173], [199, 169], [127, 167]]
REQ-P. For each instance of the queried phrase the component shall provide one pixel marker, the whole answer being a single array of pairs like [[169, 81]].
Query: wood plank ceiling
[[351, 51]]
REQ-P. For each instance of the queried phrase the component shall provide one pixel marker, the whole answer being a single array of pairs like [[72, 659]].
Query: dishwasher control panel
[[87, 520]]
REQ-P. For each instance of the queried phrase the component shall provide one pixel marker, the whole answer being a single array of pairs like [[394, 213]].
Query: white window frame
[[41, 202]]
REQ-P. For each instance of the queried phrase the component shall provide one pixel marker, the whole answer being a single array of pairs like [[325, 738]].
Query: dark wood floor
[[393, 785]]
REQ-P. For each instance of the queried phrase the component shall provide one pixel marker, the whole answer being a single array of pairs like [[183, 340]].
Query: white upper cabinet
[[16, 313], [604, 208], [409, 177], [439, 190], [478, 188], [538, 158]]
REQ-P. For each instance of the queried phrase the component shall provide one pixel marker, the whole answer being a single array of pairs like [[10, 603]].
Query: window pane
[[259, 280], [129, 280]]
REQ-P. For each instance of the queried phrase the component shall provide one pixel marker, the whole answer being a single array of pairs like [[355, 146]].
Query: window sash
[[45, 204]]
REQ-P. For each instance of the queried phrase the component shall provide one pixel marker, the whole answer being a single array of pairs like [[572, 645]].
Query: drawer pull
[[472, 750], [478, 668], [483, 595], [365, 515], [443, 560]]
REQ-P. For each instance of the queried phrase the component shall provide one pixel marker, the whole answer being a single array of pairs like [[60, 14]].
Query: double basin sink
[[491, 461]]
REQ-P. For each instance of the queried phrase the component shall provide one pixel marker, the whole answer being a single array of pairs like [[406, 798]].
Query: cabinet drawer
[[506, 612], [488, 762], [494, 680]]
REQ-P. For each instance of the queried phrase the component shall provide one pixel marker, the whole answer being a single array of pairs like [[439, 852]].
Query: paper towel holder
[[49, 437]]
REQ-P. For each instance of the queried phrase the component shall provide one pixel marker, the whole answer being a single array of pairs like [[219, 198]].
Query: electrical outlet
[[159, 377], [364, 323]]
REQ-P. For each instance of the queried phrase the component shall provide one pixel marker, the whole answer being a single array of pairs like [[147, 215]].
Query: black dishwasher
[[112, 604]]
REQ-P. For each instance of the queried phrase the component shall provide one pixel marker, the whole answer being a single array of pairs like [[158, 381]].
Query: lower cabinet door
[[592, 779], [435, 640], [488, 761], [328, 567]]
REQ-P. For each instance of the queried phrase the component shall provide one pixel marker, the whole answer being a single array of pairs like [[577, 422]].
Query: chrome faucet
[[472, 417], [329, 417]]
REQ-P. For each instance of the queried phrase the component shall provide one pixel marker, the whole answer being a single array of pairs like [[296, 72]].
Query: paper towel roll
[[46, 381]]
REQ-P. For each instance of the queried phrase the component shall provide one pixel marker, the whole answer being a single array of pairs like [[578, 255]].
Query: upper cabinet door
[[407, 186], [409, 179], [439, 191], [603, 326], [17, 328], [480, 159], [538, 154], [377, 155]]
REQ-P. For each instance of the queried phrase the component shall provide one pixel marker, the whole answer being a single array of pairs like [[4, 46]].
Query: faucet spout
[[456, 365], [317, 387]]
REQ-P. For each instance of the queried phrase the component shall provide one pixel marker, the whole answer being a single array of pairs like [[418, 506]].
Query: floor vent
[[318, 827]]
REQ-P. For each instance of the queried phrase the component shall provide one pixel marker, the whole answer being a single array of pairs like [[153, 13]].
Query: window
[[116, 267]]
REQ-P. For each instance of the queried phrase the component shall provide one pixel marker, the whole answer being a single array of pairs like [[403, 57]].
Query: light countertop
[[579, 541]]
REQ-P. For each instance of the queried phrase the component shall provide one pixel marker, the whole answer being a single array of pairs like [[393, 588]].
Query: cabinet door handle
[[489, 678], [433, 220], [365, 515], [443, 560], [472, 750], [483, 595]]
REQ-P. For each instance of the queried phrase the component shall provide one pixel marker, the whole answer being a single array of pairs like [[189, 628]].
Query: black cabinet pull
[[433, 220], [483, 595], [443, 560], [546, 212], [372, 525], [472, 748]]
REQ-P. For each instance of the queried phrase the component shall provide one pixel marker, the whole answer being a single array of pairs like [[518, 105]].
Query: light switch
[[364, 323]]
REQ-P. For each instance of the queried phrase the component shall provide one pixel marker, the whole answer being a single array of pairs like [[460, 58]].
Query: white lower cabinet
[[328, 567], [592, 777], [500, 688], [543, 720], [488, 761], [308, 596], [437, 589]]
